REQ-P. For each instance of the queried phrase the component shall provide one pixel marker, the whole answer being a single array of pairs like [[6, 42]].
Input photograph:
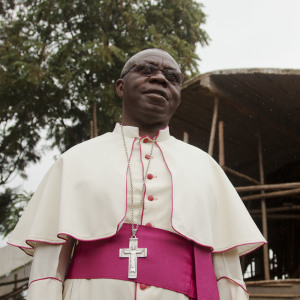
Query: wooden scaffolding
[[249, 121]]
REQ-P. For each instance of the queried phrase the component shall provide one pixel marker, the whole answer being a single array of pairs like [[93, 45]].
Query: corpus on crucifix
[[133, 252]]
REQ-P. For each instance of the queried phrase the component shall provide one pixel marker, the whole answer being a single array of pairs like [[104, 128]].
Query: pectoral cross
[[133, 252]]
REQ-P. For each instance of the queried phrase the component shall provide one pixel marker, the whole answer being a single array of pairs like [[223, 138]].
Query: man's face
[[149, 101]]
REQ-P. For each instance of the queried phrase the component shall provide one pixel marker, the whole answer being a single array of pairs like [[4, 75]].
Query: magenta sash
[[172, 262]]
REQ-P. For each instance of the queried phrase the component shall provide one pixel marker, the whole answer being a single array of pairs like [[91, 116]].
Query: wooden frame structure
[[249, 121]]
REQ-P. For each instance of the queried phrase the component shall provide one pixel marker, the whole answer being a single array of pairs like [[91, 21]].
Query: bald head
[[133, 59], [149, 100]]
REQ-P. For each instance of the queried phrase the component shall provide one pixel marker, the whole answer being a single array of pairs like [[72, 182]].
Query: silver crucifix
[[133, 252]]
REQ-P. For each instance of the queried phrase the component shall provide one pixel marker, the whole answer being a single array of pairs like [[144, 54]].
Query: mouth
[[157, 92]]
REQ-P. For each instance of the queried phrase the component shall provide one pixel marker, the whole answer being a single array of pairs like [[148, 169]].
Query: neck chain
[[136, 226], [133, 252]]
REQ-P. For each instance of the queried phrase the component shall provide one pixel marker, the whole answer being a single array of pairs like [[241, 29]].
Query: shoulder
[[90, 155], [188, 158], [91, 146], [187, 149]]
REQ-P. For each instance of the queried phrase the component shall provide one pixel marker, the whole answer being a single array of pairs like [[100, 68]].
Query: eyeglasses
[[148, 70]]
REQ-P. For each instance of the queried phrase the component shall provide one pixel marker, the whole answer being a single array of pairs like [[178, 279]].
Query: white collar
[[134, 132]]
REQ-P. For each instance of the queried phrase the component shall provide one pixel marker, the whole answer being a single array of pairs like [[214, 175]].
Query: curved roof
[[250, 100]]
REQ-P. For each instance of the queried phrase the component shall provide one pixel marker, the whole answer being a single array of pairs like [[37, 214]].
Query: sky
[[251, 34], [244, 34]]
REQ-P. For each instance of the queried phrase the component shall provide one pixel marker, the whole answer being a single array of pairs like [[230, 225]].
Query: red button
[[149, 176], [150, 198], [149, 225], [147, 156], [143, 286], [145, 140]]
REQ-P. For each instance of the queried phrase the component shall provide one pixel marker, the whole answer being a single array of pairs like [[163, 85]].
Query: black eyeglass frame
[[165, 72]]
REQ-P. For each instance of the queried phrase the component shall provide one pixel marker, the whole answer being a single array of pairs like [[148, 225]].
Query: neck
[[151, 131]]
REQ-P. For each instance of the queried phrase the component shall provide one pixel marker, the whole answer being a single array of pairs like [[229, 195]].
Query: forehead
[[158, 58]]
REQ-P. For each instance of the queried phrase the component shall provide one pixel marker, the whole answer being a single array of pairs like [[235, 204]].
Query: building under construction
[[249, 121]]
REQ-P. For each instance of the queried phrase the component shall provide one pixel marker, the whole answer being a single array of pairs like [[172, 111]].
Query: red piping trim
[[58, 235], [172, 193], [148, 136], [225, 277], [171, 186], [260, 245], [38, 241], [65, 241], [96, 239], [173, 199], [239, 245], [160, 131], [22, 247], [143, 170], [43, 279], [87, 240], [155, 137], [211, 248]]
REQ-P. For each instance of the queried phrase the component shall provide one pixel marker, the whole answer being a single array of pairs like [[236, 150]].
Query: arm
[[229, 275], [49, 268]]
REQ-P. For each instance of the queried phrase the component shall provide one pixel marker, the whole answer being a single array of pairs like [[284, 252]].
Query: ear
[[119, 87]]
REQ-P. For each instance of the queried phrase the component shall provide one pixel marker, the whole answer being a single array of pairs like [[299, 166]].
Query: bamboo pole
[[14, 281], [95, 119], [221, 144], [275, 296], [272, 194], [14, 293], [213, 126], [273, 282], [185, 137], [279, 216], [267, 187], [263, 209], [15, 284], [91, 129], [276, 209], [238, 174]]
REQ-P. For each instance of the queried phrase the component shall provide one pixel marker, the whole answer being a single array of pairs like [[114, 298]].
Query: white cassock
[[84, 197]]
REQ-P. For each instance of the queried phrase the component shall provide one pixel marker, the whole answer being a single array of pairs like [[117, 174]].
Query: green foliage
[[6, 5], [12, 205], [58, 58]]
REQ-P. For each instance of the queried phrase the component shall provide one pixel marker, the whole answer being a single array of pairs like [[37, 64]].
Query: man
[[146, 214]]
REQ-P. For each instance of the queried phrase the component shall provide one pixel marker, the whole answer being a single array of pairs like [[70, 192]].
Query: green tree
[[59, 61], [12, 204]]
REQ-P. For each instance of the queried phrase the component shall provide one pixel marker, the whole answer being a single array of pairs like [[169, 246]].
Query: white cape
[[83, 195]]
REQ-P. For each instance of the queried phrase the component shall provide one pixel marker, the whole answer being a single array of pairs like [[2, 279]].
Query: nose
[[159, 78]]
